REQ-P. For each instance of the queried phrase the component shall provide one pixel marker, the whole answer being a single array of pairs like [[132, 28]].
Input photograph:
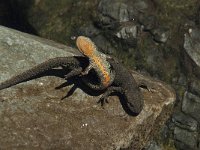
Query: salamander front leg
[[108, 92]]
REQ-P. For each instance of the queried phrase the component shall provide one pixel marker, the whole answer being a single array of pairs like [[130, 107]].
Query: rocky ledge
[[32, 114]]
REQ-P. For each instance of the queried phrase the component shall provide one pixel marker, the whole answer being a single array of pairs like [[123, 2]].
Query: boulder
[[32, 114]]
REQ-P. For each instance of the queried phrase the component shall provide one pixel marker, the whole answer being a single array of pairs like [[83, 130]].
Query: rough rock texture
[[192, 44], [185, 139], [183, 121], [185, 129], [32, 114], [191, 105], [192, 48], [123, 19]]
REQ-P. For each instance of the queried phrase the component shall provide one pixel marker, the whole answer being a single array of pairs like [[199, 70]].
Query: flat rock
[[32, 114]]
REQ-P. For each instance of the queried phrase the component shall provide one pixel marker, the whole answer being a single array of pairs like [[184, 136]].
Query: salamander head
[[135, 101], [85, 46]]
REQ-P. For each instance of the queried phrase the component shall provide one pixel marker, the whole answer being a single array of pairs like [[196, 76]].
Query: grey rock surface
[[123, 19], [32, 114], [185, 139], [185, 122], [128, 33], [192, 44], [194, 87], [191, 105], [118, 12], [122, 10]]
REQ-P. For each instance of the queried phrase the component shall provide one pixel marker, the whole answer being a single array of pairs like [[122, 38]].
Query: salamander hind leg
[[87, 69]]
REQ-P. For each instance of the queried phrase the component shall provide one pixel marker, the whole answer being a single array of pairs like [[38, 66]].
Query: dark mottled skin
[[72, 63], [125, 84]]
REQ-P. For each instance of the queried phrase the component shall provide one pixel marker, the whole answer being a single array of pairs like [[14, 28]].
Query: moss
[[169, 146], [172, 12], [164, 63]]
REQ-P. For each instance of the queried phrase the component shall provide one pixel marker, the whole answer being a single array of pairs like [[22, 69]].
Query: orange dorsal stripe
[[88, 48], [102, 68]]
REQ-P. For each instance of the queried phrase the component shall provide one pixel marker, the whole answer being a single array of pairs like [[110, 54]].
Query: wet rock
[[161, 34], [185, 139], [191, 105], [32, 114], [185, 122]]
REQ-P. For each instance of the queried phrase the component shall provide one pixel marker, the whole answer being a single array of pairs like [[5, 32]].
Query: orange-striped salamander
[[114, 76], [125, 84]]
